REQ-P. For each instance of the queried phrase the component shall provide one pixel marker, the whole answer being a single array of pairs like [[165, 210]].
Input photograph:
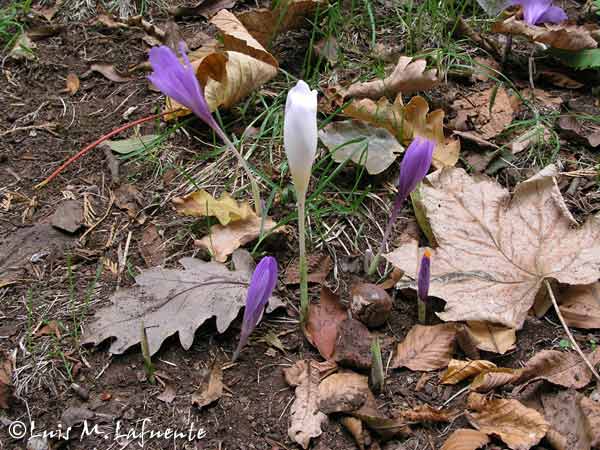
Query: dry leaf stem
[[571, 338]]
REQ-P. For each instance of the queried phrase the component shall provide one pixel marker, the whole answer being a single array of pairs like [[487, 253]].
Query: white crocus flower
[[300, 142], [300, 134]]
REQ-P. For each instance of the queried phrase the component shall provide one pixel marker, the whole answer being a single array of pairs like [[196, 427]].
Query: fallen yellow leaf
[[202, 204]]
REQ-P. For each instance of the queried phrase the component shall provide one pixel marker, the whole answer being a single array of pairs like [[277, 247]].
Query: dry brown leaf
[[72, 84], [426, 348], [265, 24], [560, 79], [406, 122], [427, 413], [495, 250], [461, 370], [169, 393], [319, 267], [343, 392], [201, 204], [493, 378], [562, 368], [490, 337], [372, 147], [465, 439], [321, 327], [174, 301], [223, 241], [487, 123], [305, 417], [129, 198], [408, 76], [591, 410], [295, 373], [6, 386], [519, 427], [564, 413], [580, 305], [52, 328], [152, 247], [108, 71], [384, 427], [564, 37], [205, 8], [327, 48], [353, 345], [355, 428], [211, 388]]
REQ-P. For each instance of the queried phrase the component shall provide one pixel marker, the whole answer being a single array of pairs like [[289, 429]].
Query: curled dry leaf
[[562, 368], [305, 417], [152, 247], [211, 388], [580, 305], [108, 71], [489, 111], [169, 393], [518, 426], [591, 410], [321, 327], [366, 145], [72, 84], [356, 429], [406, 122], [426, 348], [491, 337], [170, 301], [205, 8], [564, 413], [319, 267], [343, 392], [465, 439], [222, 241], [384, 427], [294, 374], [461, 370], [427, 413], [493, 378], [495, 250], [201, 204], [564, 37], [408, 76]]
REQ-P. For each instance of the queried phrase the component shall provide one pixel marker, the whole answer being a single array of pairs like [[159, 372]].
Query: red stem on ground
[[96, 143]]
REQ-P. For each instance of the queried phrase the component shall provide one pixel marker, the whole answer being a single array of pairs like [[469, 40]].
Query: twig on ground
[[571, 338]]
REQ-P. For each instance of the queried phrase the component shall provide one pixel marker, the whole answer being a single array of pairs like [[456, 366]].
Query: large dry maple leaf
[[495, 250]]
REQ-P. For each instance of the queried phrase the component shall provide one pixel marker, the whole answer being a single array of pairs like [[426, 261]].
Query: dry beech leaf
[[427, 413], [170, 301], [201, 204], [385, 427], [493, 378], [222, 241], [465, 439], [408, 76], [564, 413], [305, 417], [356, 429], [319, 267], [343, 392], [211, 389], [564, 37], [374, 148], [491, 337], [580, 305], [560, 79], [406, 122], [321, 327], [519, 427], [72, 84], [591, 410], [487, 123], [108, 71], [265, 24], [461, 370], [426, 348], [562, 368], [495, 250]]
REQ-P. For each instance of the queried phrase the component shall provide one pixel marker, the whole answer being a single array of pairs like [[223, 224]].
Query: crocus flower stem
[[244, 164], [303, 265], [423, 280]]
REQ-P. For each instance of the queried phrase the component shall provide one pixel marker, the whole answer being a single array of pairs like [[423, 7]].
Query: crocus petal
[[179, 81], [424, 276], [415, 165], [554, 14], [300, 133], [261, 287]]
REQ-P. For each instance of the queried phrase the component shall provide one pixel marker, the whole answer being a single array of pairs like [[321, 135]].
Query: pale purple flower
[[261, 287], [424, 276], [179, 82], [540, 11]]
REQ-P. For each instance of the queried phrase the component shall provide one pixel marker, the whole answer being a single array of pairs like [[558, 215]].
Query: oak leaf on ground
[[496, 249], [426, 348]]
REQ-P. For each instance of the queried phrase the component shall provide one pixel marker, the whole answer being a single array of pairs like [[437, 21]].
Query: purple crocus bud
[[414, 166], [261, 287], [540, 11], [179, 82], [424, 276]]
